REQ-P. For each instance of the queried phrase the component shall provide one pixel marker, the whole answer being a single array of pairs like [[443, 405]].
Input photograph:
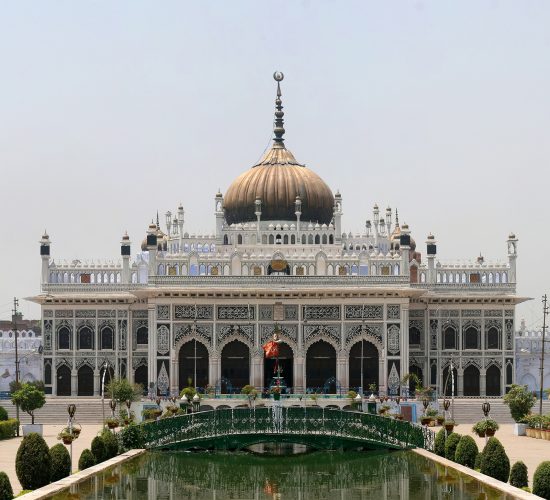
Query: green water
[[316, 476]]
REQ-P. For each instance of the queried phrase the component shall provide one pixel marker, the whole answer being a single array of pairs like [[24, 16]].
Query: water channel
[[277, 476]]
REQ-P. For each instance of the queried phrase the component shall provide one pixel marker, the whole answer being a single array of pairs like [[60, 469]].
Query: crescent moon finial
[[278, 76]]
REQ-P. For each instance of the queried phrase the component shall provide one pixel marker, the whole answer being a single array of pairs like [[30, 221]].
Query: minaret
[[376, 220], [181, 214], [125, 252], [405, 247], [152, 248], [512, 256], [431, 250], [298, 213], [338, 216], [279, 129], [45, 255], [258, 214]]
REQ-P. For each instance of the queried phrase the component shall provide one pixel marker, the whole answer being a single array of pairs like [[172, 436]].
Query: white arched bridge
[[321, 428]]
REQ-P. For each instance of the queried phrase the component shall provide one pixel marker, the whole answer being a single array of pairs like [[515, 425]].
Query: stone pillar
[[382, 372], [460, 386], [404, 340], [54, 377], [97, 383], [174, 373], [74, 382], [213, 369], [299, 375], [482, 382], [342, 370], [256, 369], [152, 344]]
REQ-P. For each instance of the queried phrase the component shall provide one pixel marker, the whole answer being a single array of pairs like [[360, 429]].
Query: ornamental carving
[[245, 332], [85, 361], [63, 361], [190, 311], [291, 313], [81, 323], [321, 312], [106, 313], [63, 314], [493, 313], [471, 323], [393, 339], [416, 313], [313, 332], [266, 313], [286, 332], [493, 361], [393, 311], [85, 313], [48, 329], [433, 333], [163, 340], [163, 312], [471, 313], [370, 332], [509, 313], [123, 333], [163, 382], [137, 362], [364, 312], [122, 314], [393, 380], [192, 330], [236, 312], [48, 313], [142, 313], [509, 324]]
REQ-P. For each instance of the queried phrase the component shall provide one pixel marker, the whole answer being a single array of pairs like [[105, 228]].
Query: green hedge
[[477, 463], [466, 452], [439, 444], [61, 462], [3, 414], [86, 460], [518, 475], [131, 437], [495, 462], [6, 491], [98, 449], [8, 428], [541, 480], [33, 462], [111, 444], [450, 445]]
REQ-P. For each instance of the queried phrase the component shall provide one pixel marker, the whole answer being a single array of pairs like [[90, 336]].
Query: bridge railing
[[287, 421]]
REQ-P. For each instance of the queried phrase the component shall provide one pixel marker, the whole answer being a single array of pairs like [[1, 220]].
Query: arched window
[[47, 374], [493, 338], [271, 239], [264, 239], [285, 239], [107, 338], [317, 239], [292, 239], [63, 338], [310, 239], [449, 338], [142, 335], [85, 338], [225, 240], [471, 338], [414, 336], [240, 239], [324, 240], [330, 239]]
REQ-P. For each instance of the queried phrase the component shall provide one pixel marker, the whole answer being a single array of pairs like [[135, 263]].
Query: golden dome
[[277, 181]]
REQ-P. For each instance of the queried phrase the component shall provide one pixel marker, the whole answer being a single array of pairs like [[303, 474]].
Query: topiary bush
[[131, 437], [8, 428], [33, 462], [3, 413], [450, 445], [466, 452], [61, 462], [518, 475], [520, 401], [495, 463], [86, 459], [439, 443], [111, 444], [6, 491], [477, 463], [98, 449], [541, 480]]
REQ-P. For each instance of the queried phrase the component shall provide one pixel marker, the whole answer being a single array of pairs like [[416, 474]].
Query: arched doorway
[[492, 381], [471, 381], [447, 381], [85, 381], [320, 366], [63, 375], [286, 363], [363, 353], [193, 365], [141, 376], [235, 364]]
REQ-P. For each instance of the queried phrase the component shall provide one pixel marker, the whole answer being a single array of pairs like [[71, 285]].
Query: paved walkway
[[8, 449]]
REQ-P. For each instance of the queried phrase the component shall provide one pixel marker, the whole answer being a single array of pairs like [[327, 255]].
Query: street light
[[71, 410], [196, 403], [358, 400]]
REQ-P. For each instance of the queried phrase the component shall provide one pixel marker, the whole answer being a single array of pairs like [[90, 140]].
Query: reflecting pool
[[316, 476]]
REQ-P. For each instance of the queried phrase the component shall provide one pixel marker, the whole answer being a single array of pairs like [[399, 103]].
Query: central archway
[[63, 375], [286, 362], [471, 381], [320, 366], [363, 354], [235, 364], [85, 381], [193, 365]]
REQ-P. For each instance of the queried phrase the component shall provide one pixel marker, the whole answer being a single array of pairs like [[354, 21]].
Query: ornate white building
[[353, 309], [528, 356]]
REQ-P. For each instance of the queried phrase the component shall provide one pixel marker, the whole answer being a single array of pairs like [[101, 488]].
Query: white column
[[404, 334], [152, 343], [74, 382], [298, 372]]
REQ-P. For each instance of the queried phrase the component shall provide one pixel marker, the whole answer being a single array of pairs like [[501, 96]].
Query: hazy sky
[[112, 110]]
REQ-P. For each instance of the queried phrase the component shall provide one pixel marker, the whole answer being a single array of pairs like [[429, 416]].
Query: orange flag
[[271, 349]]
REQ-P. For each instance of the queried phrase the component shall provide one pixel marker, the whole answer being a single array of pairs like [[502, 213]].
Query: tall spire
[[279, 113], [158, 222]]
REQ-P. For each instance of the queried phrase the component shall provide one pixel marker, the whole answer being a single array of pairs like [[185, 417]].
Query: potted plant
[[112, 422], [491, 426], [449, 425], [66, 436], [398, 416], [77, 428], [479, 428], [520, 401], [251, 393], [276, 391], [384, 409], [425, 420], [372, 389], [440, 419], [351, 395], [29, 398]]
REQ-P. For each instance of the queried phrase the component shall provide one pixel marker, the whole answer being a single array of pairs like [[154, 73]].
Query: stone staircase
[[88, 411]]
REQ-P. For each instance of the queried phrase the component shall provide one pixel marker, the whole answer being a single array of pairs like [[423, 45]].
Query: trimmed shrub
[[61, 462], [450, 445], [518, 475], [6, 491], [477, 463], [131, 437], [466, 452], [439, 443], [111, 444], [3, 414], [33, 462], [86, 459], [520, 401], [495, 462], [98, 449], [8, 428], [541, 480]]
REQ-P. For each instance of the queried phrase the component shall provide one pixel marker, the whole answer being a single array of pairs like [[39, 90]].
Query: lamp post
[[196, 403], [358, 400], [544, 327], [71, 410]]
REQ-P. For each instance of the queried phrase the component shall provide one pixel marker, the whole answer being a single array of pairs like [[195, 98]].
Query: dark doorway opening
[[193, 365], [235, 364]]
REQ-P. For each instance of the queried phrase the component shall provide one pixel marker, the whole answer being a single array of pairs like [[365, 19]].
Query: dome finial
[[279, 122]]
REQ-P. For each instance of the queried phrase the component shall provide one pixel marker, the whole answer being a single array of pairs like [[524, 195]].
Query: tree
[[439, 444], [61, 462], [466, 452], [518, 475], [86, 459], [111, 444], [3, 414], [29, 398], [450, 445], [541, 480], [520, 401], [6, 491], [495, 462], [33, 462], [121, 390], [98, 449]]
